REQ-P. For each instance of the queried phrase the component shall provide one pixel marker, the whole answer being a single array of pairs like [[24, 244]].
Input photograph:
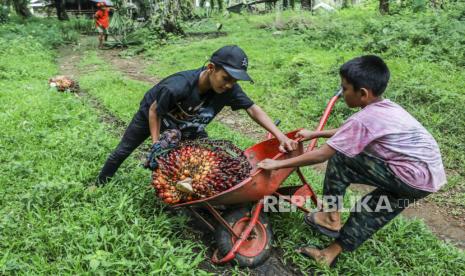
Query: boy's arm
[[261, 118], [165, 100], [309, 135], [154, 122], [309, 158]]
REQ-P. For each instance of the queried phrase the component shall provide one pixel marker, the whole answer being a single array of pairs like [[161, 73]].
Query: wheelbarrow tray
[[261, 182]]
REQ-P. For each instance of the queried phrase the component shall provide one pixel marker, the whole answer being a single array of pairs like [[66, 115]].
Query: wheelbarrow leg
[[307, 186], [295, 197], [202, 219], [220, 219], [243, 236]]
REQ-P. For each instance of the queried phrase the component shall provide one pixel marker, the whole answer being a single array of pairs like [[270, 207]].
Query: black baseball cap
[[233, 60]]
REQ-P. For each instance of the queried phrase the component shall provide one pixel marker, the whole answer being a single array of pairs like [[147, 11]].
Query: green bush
[[48, 32], [80, 24], [431, 37]]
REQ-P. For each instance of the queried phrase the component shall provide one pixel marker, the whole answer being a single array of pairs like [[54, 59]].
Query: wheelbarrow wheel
[[253, 251]]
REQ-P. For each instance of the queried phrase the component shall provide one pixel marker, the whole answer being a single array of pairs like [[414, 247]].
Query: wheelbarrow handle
[[321, 125], [325, 117]]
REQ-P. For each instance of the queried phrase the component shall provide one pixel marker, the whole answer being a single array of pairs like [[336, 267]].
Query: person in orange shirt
[[102, 22]]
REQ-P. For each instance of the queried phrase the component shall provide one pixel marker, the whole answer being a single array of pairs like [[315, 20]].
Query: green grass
[[52, 146], [291, 68], [101, 79]]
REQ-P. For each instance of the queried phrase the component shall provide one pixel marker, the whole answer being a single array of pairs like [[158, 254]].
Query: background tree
[[306, 4], [288, 3], [61, 11], [384, 6], [20, 7], [163, 18], [4, 11]]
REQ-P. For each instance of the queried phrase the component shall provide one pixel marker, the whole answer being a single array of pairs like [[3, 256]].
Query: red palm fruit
[[211, 168]]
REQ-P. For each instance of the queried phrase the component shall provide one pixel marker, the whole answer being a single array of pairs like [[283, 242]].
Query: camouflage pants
[[375, 209]]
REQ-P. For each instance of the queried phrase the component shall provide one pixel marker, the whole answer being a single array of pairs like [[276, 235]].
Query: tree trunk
[[21, 8], [306, 4], [61, 12], [288, 3], [384, 6], [285, 4]]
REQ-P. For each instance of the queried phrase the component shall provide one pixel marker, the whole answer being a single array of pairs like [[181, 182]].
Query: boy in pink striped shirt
[[381, 145]]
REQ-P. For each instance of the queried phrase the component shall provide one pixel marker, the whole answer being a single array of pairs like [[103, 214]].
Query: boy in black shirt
[[187, 101]]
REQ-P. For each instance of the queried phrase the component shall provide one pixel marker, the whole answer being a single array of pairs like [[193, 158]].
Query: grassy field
[[52, 146]]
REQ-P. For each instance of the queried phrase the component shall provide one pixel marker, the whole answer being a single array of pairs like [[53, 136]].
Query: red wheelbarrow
[[244, 234]]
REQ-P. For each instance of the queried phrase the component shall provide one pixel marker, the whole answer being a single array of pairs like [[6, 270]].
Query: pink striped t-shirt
[[387, 131]]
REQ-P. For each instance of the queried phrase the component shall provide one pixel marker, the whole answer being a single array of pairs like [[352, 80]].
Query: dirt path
[[440, 220], [68, 61]]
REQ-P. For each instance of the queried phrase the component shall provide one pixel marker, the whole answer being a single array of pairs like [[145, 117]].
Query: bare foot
[[318, 255], [324, 219]]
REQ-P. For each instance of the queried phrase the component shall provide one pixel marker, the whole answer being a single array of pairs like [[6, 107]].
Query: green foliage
[[123, 30], [49, 32], [432, 37], [170, 14], [80, 24], [52, 146], [106, 79], [164, 20]]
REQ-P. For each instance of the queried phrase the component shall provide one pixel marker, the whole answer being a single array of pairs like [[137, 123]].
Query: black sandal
[[310, 220], [302, 251]]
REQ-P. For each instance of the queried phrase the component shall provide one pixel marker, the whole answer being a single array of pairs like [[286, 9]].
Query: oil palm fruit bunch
[[199, 169], [64, 83]]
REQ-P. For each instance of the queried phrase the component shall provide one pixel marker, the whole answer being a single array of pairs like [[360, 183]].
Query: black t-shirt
[[180, 105]]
